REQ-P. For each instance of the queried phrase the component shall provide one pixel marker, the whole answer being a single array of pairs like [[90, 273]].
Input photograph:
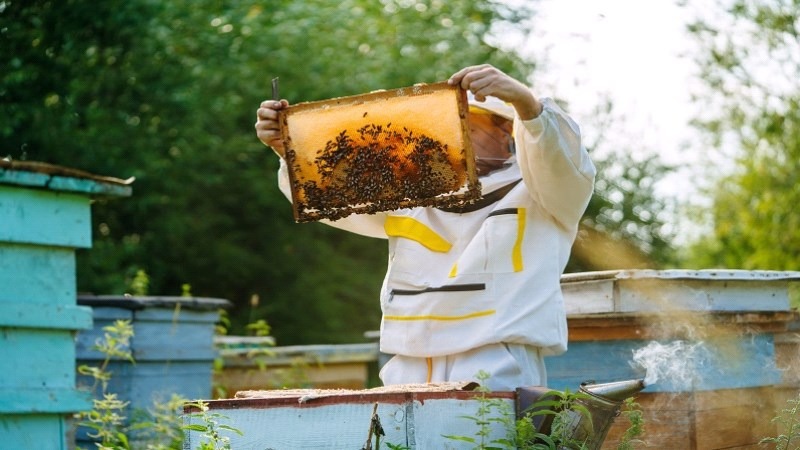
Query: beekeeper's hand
[[267, 126], [486, 80]]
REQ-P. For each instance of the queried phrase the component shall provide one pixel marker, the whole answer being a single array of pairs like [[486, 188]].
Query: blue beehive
[[172, 346], [45, 214]]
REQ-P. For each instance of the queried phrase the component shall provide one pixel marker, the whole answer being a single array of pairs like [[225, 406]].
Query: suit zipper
[[449, 288]]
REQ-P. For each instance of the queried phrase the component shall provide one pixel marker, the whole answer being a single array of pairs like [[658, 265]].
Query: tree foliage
[[750, 64]]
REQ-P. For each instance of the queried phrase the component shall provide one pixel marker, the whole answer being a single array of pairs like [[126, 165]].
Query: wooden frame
[[380, 151]]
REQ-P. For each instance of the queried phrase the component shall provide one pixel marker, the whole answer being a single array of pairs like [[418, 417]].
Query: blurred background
[[690, 111]]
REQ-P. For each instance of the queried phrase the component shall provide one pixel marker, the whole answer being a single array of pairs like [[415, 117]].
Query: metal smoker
[[602, 400]]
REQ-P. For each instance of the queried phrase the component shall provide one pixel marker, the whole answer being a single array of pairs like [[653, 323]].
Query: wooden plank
[[37, 216], [187, 335], [89, 186], [702, 295], [787, 357], [667, 422], [305, 426], [283, 355], [725, 419], [37, 275], [434, 420], [35, 400], [32, 358], [321, 376], [37, 174], [56, 317], [719, 363], [601, 361], [672, 325], [414, 419], [730, 418], [586, 297], [33, 431], [144, 383]]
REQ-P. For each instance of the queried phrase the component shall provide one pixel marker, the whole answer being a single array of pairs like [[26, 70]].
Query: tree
[[750, 65], [167, 91], [626, 224]]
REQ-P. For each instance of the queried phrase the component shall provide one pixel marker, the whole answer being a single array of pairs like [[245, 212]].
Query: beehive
[[379, 151]]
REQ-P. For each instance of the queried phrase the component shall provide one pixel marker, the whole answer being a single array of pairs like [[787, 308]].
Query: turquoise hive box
[[45, 215]]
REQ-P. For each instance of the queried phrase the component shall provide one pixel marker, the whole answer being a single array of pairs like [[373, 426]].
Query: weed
[[140, 284], [566, 409], [259, 328], [159, 429], [491, 412], [210, 427], [107, 416], [633, 412], [789, 420]]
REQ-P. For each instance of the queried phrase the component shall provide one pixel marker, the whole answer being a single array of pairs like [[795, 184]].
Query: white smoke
[[675, 363]]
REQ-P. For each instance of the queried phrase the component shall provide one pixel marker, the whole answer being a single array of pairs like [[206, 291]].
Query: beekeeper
[[477, 289]]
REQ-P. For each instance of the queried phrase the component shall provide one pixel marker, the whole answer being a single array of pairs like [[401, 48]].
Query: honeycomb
[[379, 152]]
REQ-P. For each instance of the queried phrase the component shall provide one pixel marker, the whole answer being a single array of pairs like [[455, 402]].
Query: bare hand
[[486, 80], [267, 126]]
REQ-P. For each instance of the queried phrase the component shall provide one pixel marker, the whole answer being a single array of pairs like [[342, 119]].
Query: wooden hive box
[[727, 391], [45, 215], [411, 416]]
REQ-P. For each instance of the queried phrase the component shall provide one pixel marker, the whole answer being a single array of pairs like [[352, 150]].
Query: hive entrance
[[379, 152]]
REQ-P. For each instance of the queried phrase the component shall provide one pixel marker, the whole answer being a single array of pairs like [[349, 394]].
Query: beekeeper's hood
[[491, 105]]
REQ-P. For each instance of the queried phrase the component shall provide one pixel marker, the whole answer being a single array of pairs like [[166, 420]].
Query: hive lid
[[380, 151]]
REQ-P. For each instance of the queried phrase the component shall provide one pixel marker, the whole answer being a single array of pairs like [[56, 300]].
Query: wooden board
[[419, 418], [709, 420]]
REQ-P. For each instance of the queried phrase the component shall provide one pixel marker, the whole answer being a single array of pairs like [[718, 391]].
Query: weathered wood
[[314, 419], [172, 347], [37, 275], [709, 420], [643, 291], [344, 366], [323, 376], [727, 362], [45, 216], [672, 325]]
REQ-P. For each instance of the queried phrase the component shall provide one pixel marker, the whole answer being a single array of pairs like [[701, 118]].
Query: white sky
[[637, 54]]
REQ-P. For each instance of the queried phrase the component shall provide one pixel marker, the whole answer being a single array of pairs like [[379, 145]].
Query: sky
[[638, 55], [635, 53]]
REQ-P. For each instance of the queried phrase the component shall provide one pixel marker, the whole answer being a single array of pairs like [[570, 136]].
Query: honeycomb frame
[[382, 151]]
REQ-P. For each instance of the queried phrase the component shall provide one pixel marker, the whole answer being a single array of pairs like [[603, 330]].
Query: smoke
[[675, 363]]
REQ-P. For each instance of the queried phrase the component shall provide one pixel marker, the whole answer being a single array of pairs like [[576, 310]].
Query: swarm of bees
[[379, 168], [380, 151]]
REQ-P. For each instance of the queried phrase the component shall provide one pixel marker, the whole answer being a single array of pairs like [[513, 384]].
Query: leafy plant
[[140, 285], [789, 420], [566, 410], [107, 417], [633, 412], [259, 328], [158, 429], [210, 427], [484, 418], [564, 407], [396, 446]]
